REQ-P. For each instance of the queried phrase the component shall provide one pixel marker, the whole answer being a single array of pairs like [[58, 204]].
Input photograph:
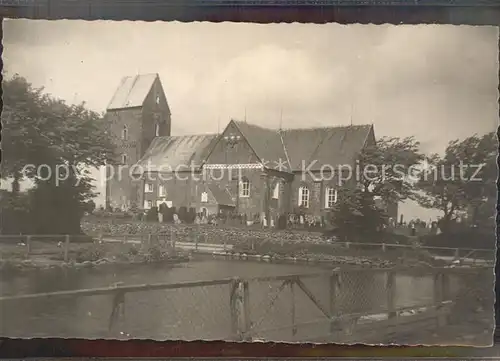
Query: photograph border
[[464, 12]]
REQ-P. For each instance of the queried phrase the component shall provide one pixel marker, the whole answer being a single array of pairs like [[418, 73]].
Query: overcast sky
[[437, 83]]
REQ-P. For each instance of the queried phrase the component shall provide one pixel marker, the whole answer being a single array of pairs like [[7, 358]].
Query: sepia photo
[[244, 182]]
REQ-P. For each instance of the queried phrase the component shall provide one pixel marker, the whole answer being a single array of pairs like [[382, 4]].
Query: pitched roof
[[222, 196], [330, 145], [167, 154], [312, 146], [132, 91], [265, 142]]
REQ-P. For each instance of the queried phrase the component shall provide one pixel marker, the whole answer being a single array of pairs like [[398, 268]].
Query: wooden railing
[[342, 327], [463, 255]]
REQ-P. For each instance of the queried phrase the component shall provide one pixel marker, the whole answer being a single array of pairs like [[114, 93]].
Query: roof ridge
[[186, 135], [303, 128], [329, 127]]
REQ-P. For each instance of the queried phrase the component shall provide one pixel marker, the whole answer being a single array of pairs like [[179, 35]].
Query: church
[[247, 170]]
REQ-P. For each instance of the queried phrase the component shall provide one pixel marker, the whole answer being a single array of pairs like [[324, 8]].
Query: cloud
[[435, 82]]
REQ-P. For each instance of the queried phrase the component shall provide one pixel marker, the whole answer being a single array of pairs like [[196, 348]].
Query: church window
[[330, 197], [304, 197], [204, 197], [157, 99], [161, 191], [148, 188], [157, 130], [125, 132], [124, 159], [245, 188], [276, 191]]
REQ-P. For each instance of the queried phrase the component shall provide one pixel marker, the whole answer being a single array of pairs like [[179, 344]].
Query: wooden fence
[[368, 323], [61, 244]]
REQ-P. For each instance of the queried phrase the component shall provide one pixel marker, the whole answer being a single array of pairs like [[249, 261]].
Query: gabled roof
[[221, 196], [265, 142], [317, 146], [330, 145], [171, 153], [132, 91]]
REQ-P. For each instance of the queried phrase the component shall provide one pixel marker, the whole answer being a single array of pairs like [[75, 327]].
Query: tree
[[356, 217], [387, 168], [384, 178], [461, 181], [55, 139]]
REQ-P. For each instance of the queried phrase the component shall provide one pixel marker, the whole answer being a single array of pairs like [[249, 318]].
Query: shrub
[[133, 251], [90, 255], [154, 255], [152, 214]]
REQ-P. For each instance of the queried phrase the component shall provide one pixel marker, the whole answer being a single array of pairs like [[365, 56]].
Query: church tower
[[137, 113]]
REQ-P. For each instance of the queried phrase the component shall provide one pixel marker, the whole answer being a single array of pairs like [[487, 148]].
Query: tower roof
[[132, 91]]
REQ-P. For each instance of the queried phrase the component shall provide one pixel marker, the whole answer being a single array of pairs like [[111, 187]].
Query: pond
[[189, 313]]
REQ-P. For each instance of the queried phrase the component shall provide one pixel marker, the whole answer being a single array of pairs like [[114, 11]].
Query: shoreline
[[18, 266], [98, 255]]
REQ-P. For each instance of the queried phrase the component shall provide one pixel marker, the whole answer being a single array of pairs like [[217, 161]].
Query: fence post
[[28, 246], [149, 241], [457, 254], [125, 239], [233, 307], [292, 298], [347, 244], [383, 247], [390, 287], [334, 286], [247, 324], [196, 242], [445, 283], [438, 296], [100, 237], [66, 248]]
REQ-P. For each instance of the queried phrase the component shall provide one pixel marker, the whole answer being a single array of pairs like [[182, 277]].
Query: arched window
[[125, 132], [204, 197], [157, 130], [124, 159], [245, 188], [276, 191], [330, 197], [304, 197]]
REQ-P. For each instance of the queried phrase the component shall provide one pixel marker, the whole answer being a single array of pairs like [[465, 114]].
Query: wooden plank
[[313, 298], [403, 320], [292, 310], [110, 290]]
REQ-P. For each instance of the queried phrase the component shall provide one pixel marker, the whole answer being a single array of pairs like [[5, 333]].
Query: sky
[[435, 82]]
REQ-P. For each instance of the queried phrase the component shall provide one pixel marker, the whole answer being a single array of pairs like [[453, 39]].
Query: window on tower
[[157, 130], [125, 132], [124, 159]]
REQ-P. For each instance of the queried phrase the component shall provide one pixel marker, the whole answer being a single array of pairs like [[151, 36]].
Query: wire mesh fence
[[329, 306]]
